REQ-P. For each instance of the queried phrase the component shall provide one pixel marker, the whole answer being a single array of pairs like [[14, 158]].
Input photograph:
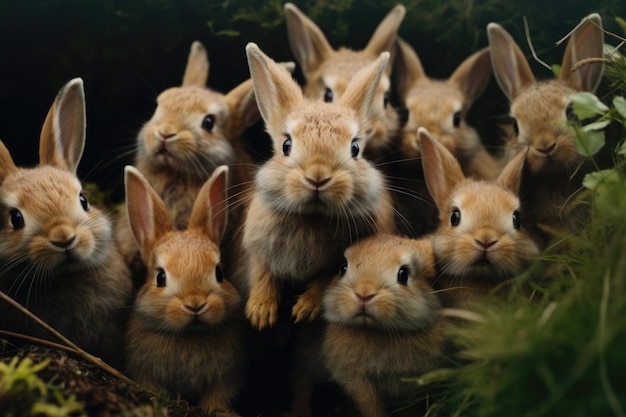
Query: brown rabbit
[[481, 241], [328, 71], [383, 322], [317, 194], [193, 130], [185, 332], [540, 111], [57, 255]]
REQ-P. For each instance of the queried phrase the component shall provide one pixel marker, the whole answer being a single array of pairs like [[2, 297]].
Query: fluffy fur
[[57, 255]]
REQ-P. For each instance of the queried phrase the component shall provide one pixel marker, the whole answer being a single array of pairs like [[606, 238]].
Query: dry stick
[[86, 355], [37, 340], [530, 44]]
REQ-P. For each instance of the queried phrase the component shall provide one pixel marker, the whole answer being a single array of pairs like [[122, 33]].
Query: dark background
[[128, 51]]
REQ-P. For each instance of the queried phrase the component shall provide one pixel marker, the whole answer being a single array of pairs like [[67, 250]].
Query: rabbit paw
[[261, 313], [308, 307]]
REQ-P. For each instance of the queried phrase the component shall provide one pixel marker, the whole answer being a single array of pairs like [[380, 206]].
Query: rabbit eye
[[403, 275], [517, 220], [219, 273], [515, 126], [328, 95], [208, 122], [287, 146], [83, 202], [17, 219], [385, 98], [569, 112], [354, 147], [455, 218], [343, 268], [160, 278], [456, 119]]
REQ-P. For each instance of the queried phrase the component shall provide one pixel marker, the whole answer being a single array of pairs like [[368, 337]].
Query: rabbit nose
[[317, 183], [65, 243], [196, 309], [485, 244], [365, 298], [547, 150], [167, 135]]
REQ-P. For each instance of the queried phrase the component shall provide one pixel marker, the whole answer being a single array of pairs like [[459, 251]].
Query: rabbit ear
[[408, 67], [509, 63], [241, 99], [7, 165], [147, 215], [306, 39], [197, 69], [442, 171], [586, 41], [473, 75], [210, 210], [361, 89], [511, 175], [62, 137], [384, 37], [277, 94]]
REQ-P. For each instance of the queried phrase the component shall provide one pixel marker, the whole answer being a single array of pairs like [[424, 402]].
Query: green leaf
[[619, 103], [622, 149], [596, 179], [587, 105], [596, 125], [589, 143]]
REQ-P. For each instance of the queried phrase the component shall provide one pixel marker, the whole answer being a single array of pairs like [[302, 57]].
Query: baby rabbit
[[317, 194], [57, 255], [328, 71], [383, 321], [192, 131], [481, 240], [185, 332], [540, 111]]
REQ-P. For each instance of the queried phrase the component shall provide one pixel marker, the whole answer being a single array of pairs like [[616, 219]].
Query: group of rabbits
[[375, 225]]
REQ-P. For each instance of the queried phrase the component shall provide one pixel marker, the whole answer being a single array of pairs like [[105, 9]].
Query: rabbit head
[[540, 110], [185, 288], [328, 71], [481, 235], [384, 283]]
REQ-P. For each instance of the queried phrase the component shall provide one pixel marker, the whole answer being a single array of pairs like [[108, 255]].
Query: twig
[[37, 340], [84, 354], [530, 44]]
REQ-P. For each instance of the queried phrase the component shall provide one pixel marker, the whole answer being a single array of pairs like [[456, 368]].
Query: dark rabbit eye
[[385, 98], [569, 112], [287, 146], [354, 147], [517, 220], [515, 126], [219, 273], [456, 119], [343, 268], [208, 122], [17, 219], [160, 278], [83, 202], [403, 275], [328, 95], [455, 218]]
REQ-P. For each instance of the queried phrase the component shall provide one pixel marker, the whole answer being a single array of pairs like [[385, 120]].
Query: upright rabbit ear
[[7, 165], [361, 89], [586, 41], [147, 215], [511, 175], [385, 35], [442, 171], [209, 215], [277, 94], [473, 75], [197, 69], [407, 67], [509, 63], [62, 137], [307, 41]]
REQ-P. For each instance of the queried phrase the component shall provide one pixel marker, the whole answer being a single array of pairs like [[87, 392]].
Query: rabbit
[[317, 194], [185, 333], [440, 106], [328, 71], [383, 321], [483, 238], [57, 254], [540, 111], [193, 130]]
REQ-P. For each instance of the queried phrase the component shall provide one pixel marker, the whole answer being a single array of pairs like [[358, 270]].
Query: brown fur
[[62, 264], [540, 111]]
